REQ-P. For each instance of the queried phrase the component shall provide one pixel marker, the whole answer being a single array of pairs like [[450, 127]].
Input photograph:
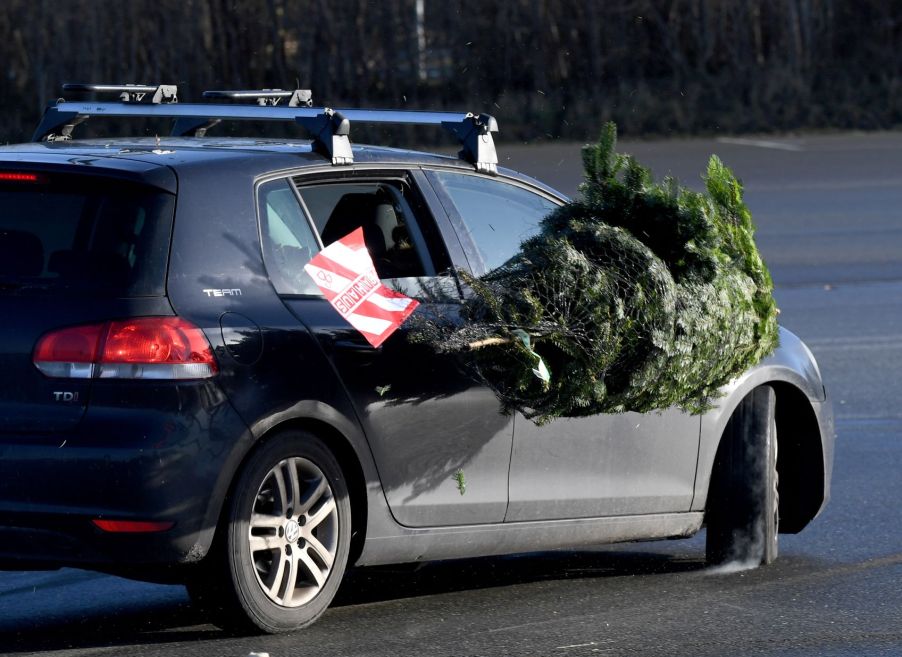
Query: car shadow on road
[[142, 625], [381, 583], [176, 621]]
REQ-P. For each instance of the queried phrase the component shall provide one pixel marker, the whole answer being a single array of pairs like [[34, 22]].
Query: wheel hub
[[292, 531]]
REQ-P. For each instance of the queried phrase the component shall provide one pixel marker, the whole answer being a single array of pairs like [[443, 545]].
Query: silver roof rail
[[329, 128]]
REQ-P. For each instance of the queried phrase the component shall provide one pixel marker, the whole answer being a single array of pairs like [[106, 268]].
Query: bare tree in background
[[544, 67]]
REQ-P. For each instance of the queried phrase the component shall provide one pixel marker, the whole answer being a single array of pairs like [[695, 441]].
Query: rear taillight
[[142, 348], [69, 353]]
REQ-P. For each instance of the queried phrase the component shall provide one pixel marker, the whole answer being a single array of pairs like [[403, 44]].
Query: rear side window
[[288, 239], [83, 235]]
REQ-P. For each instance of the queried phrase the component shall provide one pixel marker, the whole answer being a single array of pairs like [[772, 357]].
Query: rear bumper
[[142, 452]]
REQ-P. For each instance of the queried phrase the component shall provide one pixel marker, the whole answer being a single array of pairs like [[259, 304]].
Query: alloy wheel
[[293, 532]]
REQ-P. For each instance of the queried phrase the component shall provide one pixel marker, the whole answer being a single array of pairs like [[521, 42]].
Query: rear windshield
[[84, 235]]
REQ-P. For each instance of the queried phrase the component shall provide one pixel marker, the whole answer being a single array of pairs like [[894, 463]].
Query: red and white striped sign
[[345, 273]]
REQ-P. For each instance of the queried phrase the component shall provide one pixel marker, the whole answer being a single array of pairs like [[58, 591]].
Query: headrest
[[351, 211], [354, 211], [387, 220]]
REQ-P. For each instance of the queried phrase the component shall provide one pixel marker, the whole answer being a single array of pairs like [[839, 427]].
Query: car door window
[[299, 218], [498, 215], [288, 238], [403, 242]]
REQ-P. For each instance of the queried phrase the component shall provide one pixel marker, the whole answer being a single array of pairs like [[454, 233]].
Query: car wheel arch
[[800, 462], [348, 459]]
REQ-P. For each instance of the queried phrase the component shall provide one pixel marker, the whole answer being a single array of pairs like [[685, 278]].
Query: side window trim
[[453, 231], [416, 233], [306, 211]]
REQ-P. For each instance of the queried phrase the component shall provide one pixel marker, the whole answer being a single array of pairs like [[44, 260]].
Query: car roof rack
[[132, 93], [329, 128], [267, 97]]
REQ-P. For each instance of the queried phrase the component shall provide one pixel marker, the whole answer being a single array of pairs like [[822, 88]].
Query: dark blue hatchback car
[[178, 402]]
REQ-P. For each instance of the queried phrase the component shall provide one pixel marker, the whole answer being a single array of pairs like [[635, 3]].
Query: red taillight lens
[[132, 526], [156, 340], [143, 348], [69, 353], [76, 344], [16, 176], [143, 341]]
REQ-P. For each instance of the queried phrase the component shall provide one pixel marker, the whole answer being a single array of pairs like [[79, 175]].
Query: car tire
[[277, 562], [743, 503]]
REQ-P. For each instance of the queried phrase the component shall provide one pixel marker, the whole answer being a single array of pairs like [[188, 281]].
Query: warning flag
[[345, 273]]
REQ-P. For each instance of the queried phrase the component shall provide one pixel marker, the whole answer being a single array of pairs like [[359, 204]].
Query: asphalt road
[[829, 211]]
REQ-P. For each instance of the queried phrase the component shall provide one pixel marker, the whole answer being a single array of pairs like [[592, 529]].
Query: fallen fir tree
[[638, 296]]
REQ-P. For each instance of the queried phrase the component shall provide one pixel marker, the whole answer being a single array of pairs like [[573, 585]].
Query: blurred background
[[545, 68]]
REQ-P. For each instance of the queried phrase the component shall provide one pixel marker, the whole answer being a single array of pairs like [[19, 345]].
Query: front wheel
[[280, 559], [743, 504]]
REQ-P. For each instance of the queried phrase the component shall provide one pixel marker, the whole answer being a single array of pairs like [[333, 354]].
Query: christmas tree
[[637, 296]]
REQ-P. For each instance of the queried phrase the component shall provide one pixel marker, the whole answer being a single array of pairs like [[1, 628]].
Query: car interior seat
[[375, 214]]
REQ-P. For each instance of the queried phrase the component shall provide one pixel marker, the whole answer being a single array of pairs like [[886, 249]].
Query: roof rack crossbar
[[267, 97], [58, 125], [132, 93], [329, 128]]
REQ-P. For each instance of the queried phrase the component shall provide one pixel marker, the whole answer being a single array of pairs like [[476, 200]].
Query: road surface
[[829, 211]]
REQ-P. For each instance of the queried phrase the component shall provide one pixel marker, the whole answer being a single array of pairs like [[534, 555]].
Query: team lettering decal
[[234, 292], [345, 273]]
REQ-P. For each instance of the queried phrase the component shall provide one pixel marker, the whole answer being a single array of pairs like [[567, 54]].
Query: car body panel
[[424, 422], [408, 544], [290, 379], [141, 452], [609, 465], [434, 431]]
